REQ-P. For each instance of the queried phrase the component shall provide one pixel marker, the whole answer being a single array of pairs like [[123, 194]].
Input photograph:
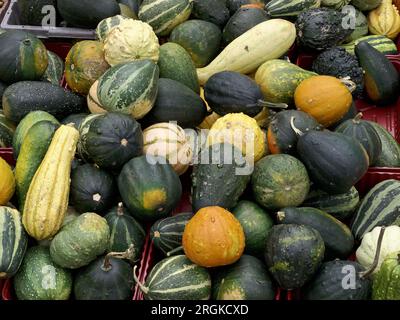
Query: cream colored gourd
[[169, 141], [47, 199], [385, 20], [390, 243], [267, 40], [129, 41]]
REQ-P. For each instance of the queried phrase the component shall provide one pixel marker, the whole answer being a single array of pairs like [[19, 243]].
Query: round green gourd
[[80, 241], [256, 224], [247, 279], [200, 38], [39, 278], [214, 11], [280, 181], [176, 63], [106, 278], [386, 283], [125, 233]]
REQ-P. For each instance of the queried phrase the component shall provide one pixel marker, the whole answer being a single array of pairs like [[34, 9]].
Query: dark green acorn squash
[[110, 139], [234, 5], [247, 279], [293, 254], [337, 62], [366, 134], [321, 28], [337, 236], [92, 189], [231, 92], [106, 278], [87, 13], [176, 102], [23, 57], [217, 182], [366, 5], [256, 224], [334, 161], [328, 284], [166, 234], [281, 137], [125, 233], [390, 155], [243, 20], [30, 11], [149, 187], [382, 80], [76, 119], [214, 11]]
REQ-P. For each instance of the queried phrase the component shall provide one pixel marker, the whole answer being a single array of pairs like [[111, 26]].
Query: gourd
[[129, 41], [284, 8], [386, 281], [361, 26], [245, 55], [92, 99], [169, 141], [55, 69], [327, 99], [385, 20], [47, 199], [214, 11], [366, 5], [106, 25], [213, 237], [336, 4], [7, 182]]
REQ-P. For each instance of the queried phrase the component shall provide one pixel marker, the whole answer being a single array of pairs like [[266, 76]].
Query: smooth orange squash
[[7, 182], [213, 237], [325, 98]]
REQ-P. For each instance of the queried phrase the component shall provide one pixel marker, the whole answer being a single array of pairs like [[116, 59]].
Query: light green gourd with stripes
[[177, 278], [165, 15], [55, 69], [105, 26], [13, 242], [284, 8], [380, 207], [381, 43], [129, 88]]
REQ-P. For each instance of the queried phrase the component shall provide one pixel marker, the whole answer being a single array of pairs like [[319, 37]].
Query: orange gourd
[[7, 182], [325, 98], [213, 237]]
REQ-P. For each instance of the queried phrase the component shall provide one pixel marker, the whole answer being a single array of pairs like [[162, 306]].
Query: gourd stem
[[280, 215], [144, 289], [118, 255], [174, 251], [297, 131], [349, 84], [271, 105], [358, 117], [120, 209], [377, 254]]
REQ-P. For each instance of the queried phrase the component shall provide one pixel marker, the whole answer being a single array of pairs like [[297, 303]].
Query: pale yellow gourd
[[267, 40], [385, 20], [7, 182]]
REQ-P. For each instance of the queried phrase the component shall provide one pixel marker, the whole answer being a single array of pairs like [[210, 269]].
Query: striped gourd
[[177, 278], [129, 88], [281, 8], [390, 155], [55, 69], [165, 15], [7, 129], [169, 140], [13, 242], [166, 233], [105, 26], [125, 232], [380, 43], [380, 207], [93, 103], [47, 199]]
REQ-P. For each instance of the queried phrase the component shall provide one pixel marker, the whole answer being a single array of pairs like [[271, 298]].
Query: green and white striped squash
[[284, 8], [131, 40], [381, 43], [55, 69], [335, 4], [177, 278], [106, 25], [165, 15], [7, 129], [380, 207], [13, 242], [129, 88]]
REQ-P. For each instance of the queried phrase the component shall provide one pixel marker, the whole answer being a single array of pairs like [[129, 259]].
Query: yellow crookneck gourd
[[385, 20]]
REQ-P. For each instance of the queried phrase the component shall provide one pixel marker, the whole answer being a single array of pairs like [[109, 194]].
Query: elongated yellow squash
[[47, 199], [267, 40]]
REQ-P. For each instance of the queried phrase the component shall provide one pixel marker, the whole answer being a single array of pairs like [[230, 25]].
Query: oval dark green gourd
[[149, 187], [176, 102], [166, 234], [218, 182], [366, 134], [293, 254], [92, 189], [125, 233], [390, 155], [328, 282], [104, 280], [247, 279], [214, 11]]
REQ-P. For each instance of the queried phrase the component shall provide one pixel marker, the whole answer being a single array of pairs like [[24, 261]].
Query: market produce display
[[202, 149]]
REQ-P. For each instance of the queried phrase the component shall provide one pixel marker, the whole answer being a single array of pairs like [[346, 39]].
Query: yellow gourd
[[7, 182], [385, 20]]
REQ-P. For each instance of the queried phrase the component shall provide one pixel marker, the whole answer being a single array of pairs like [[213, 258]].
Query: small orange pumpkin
[[213, 238], [325, 98]]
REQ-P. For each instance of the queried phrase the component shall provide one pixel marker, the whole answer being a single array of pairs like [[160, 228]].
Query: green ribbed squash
[[381, 43], [283, 8], [55, 69], [386, 283], [105, 26]]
